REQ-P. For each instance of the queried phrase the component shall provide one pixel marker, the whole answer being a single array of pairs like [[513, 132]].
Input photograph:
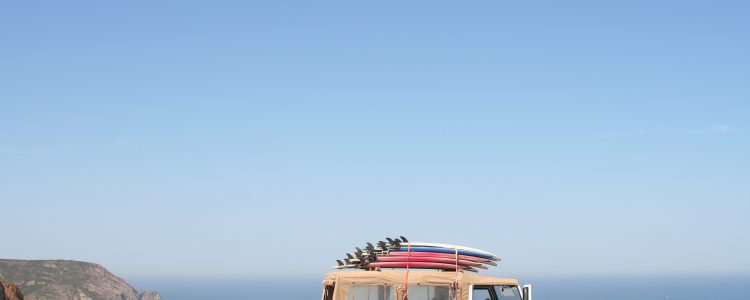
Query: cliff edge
[[10, 291], [67, 279]]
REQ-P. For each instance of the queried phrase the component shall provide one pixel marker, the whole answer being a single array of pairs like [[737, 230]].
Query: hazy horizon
[[244, 140]]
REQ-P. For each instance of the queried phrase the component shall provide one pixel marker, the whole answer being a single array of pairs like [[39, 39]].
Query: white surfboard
[[438, 245]]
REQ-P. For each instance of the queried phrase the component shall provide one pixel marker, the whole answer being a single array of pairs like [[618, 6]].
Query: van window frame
[[490, 288]]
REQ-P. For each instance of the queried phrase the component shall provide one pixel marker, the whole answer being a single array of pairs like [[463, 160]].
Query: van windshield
[[507, 292]]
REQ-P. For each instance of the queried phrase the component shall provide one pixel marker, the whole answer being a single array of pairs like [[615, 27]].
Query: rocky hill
[[10, 291], [67, 279]]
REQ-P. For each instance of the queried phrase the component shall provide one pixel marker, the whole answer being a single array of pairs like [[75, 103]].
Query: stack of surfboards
[[400, 253]]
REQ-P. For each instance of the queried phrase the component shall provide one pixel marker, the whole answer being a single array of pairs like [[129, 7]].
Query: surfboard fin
[[383, 245], [370, 247], [404, 239]]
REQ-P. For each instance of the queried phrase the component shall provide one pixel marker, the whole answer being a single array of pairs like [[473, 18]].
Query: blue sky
[[235, 139]]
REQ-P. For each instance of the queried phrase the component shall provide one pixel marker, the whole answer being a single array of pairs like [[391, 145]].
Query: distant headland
[[68, 279]]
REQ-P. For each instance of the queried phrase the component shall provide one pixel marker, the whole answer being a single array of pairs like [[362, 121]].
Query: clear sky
[[231, 139]]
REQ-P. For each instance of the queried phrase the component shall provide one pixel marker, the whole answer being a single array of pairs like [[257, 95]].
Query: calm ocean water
[[652, 288]]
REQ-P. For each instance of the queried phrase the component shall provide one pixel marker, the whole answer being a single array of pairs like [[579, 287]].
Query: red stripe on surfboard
[[419, 265], [433, 254], [427, 259]]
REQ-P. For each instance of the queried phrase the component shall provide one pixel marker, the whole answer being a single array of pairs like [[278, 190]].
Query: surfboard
[[444, 255], [429, 259], [448, 246], [368, 255], [416, 265], [447, 250], [357, 262]]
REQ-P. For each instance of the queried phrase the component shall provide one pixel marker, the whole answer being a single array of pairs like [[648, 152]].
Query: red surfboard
[[416, 265], [445, 255], [461, 262]]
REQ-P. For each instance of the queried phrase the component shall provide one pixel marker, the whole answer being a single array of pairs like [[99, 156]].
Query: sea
[[544, 288]]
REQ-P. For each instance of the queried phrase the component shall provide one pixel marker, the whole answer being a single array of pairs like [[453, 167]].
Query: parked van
[[422, 285]]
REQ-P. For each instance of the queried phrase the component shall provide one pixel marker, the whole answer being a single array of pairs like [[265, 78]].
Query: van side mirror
[[526, 292]]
